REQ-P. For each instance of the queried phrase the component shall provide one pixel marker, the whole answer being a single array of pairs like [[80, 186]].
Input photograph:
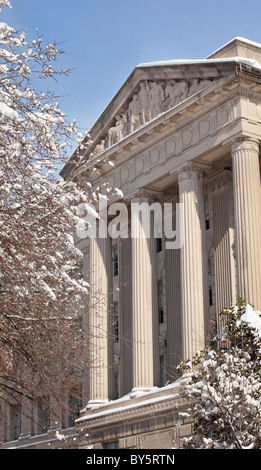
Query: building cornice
[[123, 412], [173, 121], [162, 126]]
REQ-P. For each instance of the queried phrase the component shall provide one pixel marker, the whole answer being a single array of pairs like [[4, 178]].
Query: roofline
[[237, 38], [170, 63], [178, 62], [138, 68]]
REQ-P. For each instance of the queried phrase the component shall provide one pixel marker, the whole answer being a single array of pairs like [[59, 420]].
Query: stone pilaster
[[192, 261], [100, 280], [247, 213], [143, 290]]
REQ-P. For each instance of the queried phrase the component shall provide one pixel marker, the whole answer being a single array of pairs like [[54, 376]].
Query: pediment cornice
[[160, 73], [149, 100], [159, 129], [176, 104], [167, 86]]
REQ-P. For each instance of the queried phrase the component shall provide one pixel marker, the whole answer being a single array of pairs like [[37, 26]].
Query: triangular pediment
[[152, 89], [158, 92], [150, 99]]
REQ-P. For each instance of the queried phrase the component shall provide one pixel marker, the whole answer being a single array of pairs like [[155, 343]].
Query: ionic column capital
[[220, 181], [190, 171], [245, 144], [142, 195]]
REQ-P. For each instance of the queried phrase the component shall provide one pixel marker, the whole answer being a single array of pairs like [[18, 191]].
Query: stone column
[[223, 242], [143, 289], [100, 279], [173, 293], [125, 316], [192, 261], [247, 213]]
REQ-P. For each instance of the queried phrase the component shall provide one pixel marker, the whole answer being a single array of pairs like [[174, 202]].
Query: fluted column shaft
[[247, 213], [173, 294], [223, 241], [100, 272], [143, 253], [192, 262], [125, 316]]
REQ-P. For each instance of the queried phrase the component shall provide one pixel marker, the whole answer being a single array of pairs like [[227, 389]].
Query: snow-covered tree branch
[[39, 287], [225, 384]]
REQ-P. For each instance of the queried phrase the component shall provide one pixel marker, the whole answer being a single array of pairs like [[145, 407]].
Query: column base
[[95, 403], [54, 428], [137, 391], [25, 435]]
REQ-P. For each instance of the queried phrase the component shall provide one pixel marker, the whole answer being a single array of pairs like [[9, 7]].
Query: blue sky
[[106, 39]]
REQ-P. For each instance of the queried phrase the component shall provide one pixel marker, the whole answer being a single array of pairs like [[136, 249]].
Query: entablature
[[204, 137]]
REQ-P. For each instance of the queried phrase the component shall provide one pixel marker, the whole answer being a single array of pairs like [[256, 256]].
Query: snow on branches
[[225, 384], [41, 292], [4, 3]]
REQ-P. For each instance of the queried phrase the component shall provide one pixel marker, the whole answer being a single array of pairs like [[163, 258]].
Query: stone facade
[[176, 132]]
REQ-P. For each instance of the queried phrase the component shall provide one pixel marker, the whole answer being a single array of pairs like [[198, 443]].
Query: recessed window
[[210, 294], [115, 261], [116, 322], [207, 214], [111, 445], [16, 421], [75, 405], [160, 302], [116, 387], [43, 413], [162, 371], [158, 245]]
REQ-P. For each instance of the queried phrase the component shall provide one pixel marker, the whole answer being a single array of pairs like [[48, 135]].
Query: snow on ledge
[[128, 402], [236, 59]]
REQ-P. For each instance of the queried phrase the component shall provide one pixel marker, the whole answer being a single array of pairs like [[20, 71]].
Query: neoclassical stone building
[[177, 132]]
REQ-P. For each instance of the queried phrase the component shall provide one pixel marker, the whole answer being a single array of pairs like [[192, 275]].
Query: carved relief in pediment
[[149, 101]]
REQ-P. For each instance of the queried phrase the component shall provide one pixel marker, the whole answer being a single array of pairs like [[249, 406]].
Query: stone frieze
[[151, 99]]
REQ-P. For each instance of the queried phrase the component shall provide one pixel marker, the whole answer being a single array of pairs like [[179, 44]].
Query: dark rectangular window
[[16, 421], [115, 261], [207, 214], [111, 445], [210, 283], [162, 371], [75, 405], [160, 302], [116, 322], [158, 245], [43, 413], [116, 387]]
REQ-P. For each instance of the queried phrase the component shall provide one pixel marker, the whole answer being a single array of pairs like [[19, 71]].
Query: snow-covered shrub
[[225, 384]]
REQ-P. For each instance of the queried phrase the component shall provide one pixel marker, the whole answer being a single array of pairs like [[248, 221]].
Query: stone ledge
[[127, 410], [49, 440], [145, 422]]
